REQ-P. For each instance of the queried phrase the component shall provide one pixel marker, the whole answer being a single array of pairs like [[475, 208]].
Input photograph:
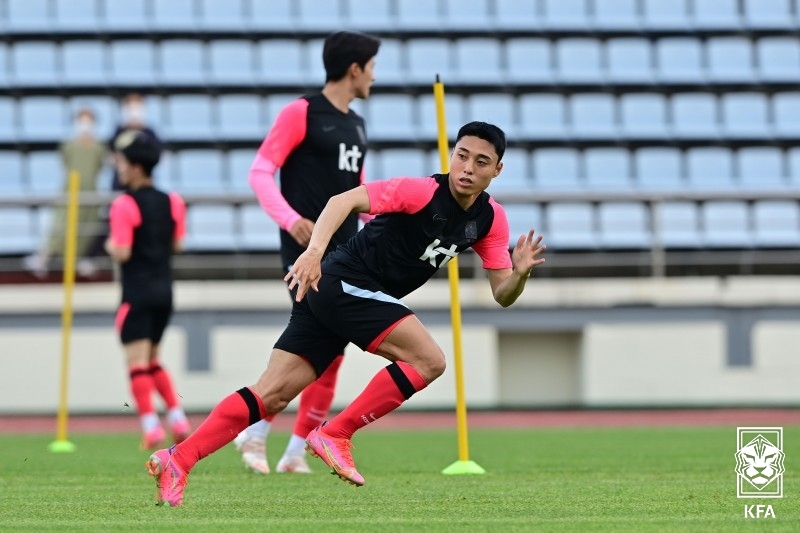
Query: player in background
[[319, 145], [147, 227], [421, 224]]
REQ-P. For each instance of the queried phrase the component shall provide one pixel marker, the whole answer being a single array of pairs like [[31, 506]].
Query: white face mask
[[84, 126], [133, 113]]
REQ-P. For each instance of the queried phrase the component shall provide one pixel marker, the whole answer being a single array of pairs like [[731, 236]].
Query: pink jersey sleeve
[[287, 132], [493, 248], [124, 218], [178, 215], [400, 195]]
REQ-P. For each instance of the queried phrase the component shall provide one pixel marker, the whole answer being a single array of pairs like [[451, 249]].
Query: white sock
[[296, 446], [175, 414], [150, 422], [259, 430]]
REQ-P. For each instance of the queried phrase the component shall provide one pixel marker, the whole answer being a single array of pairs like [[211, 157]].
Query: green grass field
[[636, 480]]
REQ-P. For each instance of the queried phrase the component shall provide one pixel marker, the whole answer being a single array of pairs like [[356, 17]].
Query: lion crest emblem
[[759, 462]]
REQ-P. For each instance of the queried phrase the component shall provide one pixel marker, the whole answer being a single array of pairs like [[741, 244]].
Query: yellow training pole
[[463, 465], [62, 444]]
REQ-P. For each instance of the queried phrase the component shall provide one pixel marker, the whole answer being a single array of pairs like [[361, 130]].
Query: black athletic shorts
[[136, 321], [343, 311]]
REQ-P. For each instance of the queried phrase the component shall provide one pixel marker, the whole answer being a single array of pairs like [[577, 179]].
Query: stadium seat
[[226, 15], [106, 110], [174, 15], [570, 226], [516, 175], [730, 59], [680, 60], [565, 14], [521, 219], [629, 61], [316, 69], [4, 66], [528, 61], [28, 16], [238, 163], [517, 14], [189, 117], [391, 116], [12, 184], [240, 117], [607, 168], [210, 228], [45, 173], [16, 230], [793, 157], [578, 61], [389, 66], [643, 115], [76, 15], [258, 231], [416, 15], [556, 169], [84, 63], [593, 116], [132, 63], [678, 225], [665, 14], [694, 115], [543, 116], [35, 64], [370, 15], [404, 162], [282, 62], [658, 168], [766, 14], [466, 14], [624, 225], [319, 15], [710, 168], [745, 115], [499, 109], [716, 14], [761, 168], [779, 59], [130, 15], [616, 15], [199, 171], [273, 15], [777, 223], [455, 115], [8, 122], [478, 61], [373, 166], [232, 62], [725, 225], [43, 119], [182, 62], [427, 58], [786, 113], [273, 105]]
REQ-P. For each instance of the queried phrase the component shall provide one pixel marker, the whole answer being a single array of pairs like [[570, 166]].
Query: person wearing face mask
[[86, 155], [134, 116]]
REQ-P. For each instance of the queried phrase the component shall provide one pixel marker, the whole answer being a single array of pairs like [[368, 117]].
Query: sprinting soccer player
[[146, 227], [422, 224], [319, 144]]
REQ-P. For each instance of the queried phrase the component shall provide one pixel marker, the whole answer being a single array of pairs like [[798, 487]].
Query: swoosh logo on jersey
[[326, 129], [437, 216]]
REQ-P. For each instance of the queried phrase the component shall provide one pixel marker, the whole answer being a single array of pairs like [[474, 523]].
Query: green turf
[[629, 480]]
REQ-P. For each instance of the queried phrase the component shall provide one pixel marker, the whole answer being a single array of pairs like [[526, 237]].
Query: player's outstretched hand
[[305, 273], [526, 253]]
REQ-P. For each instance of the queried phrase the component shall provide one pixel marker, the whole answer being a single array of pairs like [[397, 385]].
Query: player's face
[[124, 169], [473, 166], [364, 79]]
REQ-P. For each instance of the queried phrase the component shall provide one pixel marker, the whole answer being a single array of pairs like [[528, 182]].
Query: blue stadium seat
[[370, 15], [8, 122], [786, 114], [43, 118], [761, 168], [616, 15], [521, 219], [16, 230], [373, 166], [391, 116], [499, 109], [716, 14], [466, 14], [556, 169], [629, 60], [565, 14], [4, 66], [624, 225], [579, 61], [105, 109], [12, 184], [678, 225], [777, 223], [84, 63], [643, 115], [543, 116], [665, 14], [232, 62], [28, 16], [570, 226], [42, 222], [478, 61], [240, 117], [182, 62], [133, 63], [130, 15], [779, 59], [607, 168], [710, 168], [730, 59], [766, 14], [516, 176], [316, 68], [258, 231], [273, 105], [455, 115], [745, 115], [416, 15], [658, 169], [793, 157], [200, 171], [389, 65], [45, 173], [35, 64], [593, 116], [210, 228], [165, 174], [726, 225], [517, 14], [319, 15], [273, 15], [282, 62], [237, 165], [155, 108], [222, 15], [404, 162], [694, 115], [528, 61], [680, 60], [76, 15], [427, 58], [189, 117], [174, 15]]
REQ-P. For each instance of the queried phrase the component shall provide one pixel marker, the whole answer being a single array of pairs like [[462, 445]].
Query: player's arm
[[178, 211], [508, 283], [124, 217]]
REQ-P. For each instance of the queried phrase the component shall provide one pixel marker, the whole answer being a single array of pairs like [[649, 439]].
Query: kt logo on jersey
[[759, 462], [348, 159]]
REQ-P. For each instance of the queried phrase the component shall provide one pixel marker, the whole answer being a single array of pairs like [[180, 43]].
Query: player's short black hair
[[139, 148], [487, 132], [344, 48]]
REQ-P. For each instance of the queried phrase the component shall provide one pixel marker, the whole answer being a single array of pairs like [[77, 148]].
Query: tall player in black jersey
[[319, 144], [421, 224]]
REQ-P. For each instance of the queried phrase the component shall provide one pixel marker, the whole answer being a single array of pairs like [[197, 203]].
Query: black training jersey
[[421, 229]]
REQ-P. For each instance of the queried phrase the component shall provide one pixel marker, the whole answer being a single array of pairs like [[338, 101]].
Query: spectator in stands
[[319, 145], [86, 155], [134, 117]]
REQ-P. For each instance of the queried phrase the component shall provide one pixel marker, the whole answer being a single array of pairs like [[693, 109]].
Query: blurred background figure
[[86, 155], [134, 117]]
